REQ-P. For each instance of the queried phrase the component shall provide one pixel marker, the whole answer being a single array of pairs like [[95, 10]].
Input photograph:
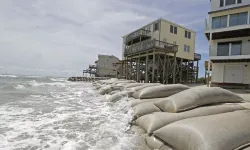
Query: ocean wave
[[19, 86], [8, 76], [58, 79], [34, 83], [71, 118]]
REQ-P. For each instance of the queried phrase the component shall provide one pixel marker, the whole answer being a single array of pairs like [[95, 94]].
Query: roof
[[162, 19]]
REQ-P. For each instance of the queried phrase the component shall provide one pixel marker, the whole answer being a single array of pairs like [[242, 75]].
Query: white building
[[228, 32], [105, 66]]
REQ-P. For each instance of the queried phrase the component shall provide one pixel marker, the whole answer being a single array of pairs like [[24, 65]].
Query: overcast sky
[[62, 37]]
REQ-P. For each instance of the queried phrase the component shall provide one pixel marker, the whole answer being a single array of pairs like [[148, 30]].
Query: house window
[[236, 48], [221, 3], [148, 28], [219, 22], [186, 48], [238, 19], [223, 49], [239, 1], [156, 26], [173, 29], [230, 2], [188, 34]]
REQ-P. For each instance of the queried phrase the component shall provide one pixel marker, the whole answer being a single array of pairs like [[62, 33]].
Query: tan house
[[105, 67], [164, 31], [160, 51], [228, 33]]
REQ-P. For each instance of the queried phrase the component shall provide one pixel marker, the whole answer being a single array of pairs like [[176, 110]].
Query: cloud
[[57, 35]]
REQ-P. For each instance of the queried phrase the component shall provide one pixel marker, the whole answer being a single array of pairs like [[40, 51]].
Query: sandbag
[[139, 101], [119, 95], [155, 144], [114, 92], [155, 121], [160, 91], [193, 98], [227, 131], [138, 88], [124, 82], [130, 99], [144, 109], [130, 85], [108, 89], [104, 89]]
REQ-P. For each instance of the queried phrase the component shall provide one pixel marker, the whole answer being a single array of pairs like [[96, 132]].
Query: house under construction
[[161, 51]]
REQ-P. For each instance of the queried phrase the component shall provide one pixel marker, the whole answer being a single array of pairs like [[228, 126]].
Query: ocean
[[45, 113]]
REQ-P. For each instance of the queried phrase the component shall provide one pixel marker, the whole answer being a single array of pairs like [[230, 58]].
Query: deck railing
[[150, 44], [138, 33], [92, 66]]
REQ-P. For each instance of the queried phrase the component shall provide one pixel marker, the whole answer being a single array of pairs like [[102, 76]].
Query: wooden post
[[164, 69], [181, 70], [174, 74], [197, 71], [146, 69], [153, 67], [187, 71], [130, 77], [158, 63], [138, 69], [168, 62]]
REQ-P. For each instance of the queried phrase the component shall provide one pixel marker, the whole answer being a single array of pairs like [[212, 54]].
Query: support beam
[[138, 69], [146, 69], [208, 74], [181, 70], [130, 69], [174, 74], [168, 69], [158, 67], [126, 68], [164, 68], [153, 68], [197, 71], [187, 68]]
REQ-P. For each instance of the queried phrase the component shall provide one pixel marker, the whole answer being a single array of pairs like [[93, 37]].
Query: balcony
[[233, 31], [92, 66], [150, 45], [197, 56], [137, 36], [227, 57]]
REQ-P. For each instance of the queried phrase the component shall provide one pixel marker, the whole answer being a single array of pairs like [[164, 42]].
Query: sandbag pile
[[227, 131], [187, 104], [176, 117]]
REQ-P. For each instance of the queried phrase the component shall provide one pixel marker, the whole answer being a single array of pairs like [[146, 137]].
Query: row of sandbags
[[154, 115], [157, 106], [118, 89]]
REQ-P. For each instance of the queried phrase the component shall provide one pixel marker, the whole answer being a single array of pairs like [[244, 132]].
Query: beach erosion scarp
[[168, 114]]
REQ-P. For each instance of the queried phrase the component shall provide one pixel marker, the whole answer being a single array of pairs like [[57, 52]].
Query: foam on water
[[20, 86], [9, 76], [72, 118]]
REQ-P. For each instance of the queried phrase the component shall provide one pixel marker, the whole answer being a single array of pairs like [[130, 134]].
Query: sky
[[62, 37]]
